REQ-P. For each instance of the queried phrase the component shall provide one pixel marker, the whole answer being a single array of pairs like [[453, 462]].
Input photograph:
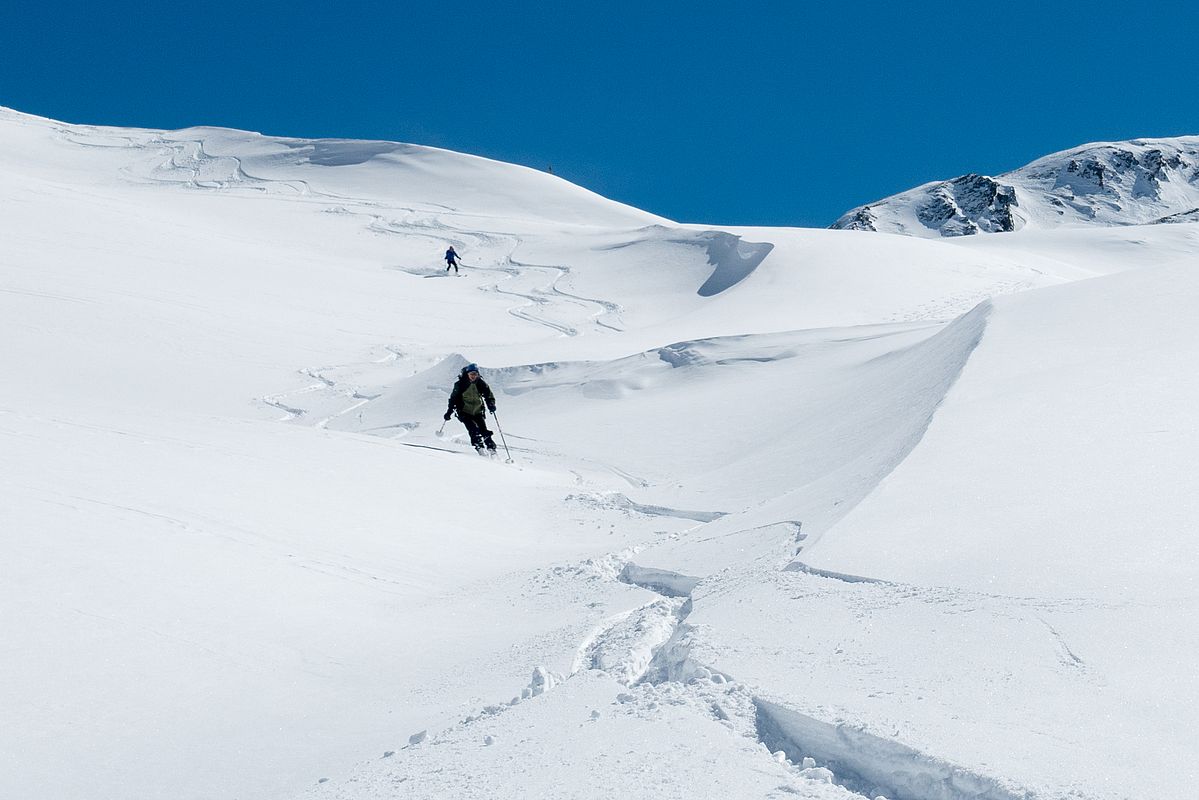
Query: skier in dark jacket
[[470, 396], [451, 259]]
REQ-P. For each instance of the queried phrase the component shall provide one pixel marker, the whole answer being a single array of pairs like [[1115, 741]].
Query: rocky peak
[[1126, 183]]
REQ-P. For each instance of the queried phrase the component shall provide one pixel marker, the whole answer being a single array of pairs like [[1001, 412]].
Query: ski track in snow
[[1066, 656], [617, 500], [954, 305]]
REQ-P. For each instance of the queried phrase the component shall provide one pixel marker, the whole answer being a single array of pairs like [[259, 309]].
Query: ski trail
[[519, 278], [185, 162], [604, 307], [325, 389]]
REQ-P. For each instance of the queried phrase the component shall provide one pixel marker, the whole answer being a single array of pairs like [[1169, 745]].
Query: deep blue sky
[[736, 113]]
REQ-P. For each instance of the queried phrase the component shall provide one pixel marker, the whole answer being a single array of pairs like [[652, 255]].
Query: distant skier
[[451, 259], [468, 398]]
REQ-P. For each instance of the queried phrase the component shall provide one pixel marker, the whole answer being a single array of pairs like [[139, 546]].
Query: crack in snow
[[871, 765]]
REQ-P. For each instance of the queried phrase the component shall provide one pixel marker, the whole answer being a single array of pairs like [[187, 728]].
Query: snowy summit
[[1144, 181], [788, 513]]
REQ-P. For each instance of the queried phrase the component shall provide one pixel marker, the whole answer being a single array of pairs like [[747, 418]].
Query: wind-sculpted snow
[[1008, 525], [345, 153], [902, 369], [731, 257], [1121, 183], [733, 260]]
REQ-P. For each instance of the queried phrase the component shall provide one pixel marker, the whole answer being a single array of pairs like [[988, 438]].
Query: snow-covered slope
[[794, 513], [1139, 182], [1041, 515]]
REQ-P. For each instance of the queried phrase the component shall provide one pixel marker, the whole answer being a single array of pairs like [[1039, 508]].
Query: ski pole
[[500, 428], [441, 429]]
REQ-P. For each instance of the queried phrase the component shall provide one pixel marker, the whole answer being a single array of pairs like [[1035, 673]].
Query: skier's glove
[[491, 407], [447, 416]]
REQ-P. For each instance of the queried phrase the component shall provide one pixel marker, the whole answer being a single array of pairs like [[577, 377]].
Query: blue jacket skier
[[451, 259]]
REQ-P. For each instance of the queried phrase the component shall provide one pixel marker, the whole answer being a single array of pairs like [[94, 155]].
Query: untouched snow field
[[791, 513]]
